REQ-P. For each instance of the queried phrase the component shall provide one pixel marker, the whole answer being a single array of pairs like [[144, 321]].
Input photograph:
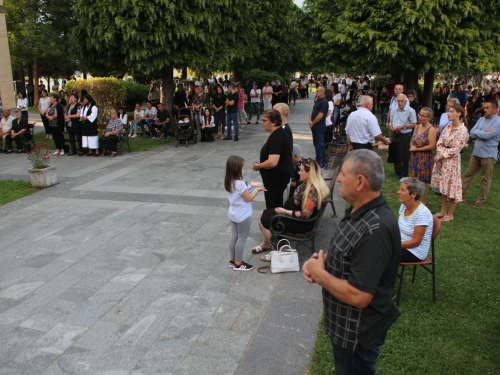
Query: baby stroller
[[184, 130]]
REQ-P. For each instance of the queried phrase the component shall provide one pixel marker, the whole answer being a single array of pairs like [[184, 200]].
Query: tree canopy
[[160, 35], [388, 35], [38, 32]]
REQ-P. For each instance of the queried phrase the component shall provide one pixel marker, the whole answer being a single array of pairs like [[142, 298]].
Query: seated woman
[[304, 205], [415, 221], [111, 135], [207, 126]]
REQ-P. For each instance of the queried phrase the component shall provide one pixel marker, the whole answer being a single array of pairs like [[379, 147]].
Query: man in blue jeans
[[232, 112], [317, 124], [359, 271]]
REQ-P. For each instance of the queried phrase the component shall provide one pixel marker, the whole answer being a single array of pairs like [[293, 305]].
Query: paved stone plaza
[[122, 268]]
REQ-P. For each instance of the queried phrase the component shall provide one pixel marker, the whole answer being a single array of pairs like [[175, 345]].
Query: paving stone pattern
[[122, 268]]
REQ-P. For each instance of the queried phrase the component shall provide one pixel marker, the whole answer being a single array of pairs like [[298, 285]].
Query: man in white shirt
[[6, 125], [151, 119], [362, 127], [139, 120], [198, 82], [443, 120], [402, 120], [255, 102]]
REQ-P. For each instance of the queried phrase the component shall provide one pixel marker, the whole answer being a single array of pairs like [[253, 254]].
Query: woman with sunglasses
[[304, 205]]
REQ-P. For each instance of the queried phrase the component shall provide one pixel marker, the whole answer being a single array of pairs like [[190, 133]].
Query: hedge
[[108, 93]]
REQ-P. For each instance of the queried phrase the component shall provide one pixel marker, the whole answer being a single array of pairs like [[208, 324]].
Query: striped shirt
[[407, 224]]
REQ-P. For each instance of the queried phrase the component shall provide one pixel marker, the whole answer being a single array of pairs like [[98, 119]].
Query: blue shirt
[[404, 116], [486, 143], [462, 97]]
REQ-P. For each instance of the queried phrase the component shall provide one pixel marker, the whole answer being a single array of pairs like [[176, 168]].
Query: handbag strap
[[261, 269], [283, 239], [287, 248]]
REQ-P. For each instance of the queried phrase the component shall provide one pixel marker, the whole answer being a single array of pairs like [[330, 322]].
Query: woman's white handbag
[[285, 259]]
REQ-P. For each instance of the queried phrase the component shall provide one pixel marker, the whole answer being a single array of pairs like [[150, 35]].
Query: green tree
[[273, 38], [38, 32], [406, 36], [148, 36]]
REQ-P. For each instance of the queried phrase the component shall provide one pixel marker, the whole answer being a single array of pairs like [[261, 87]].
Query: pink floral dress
[[446, 174]]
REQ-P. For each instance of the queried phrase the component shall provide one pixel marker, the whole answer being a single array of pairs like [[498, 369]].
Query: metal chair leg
[[433, 281], [414, 274], [400, 288]]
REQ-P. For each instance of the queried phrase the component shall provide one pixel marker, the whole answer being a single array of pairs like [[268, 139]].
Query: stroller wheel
[[176, 143], [187, 143]]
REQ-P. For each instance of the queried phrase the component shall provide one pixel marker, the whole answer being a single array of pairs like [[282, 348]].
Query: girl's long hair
[[315, 180], [234, 171]]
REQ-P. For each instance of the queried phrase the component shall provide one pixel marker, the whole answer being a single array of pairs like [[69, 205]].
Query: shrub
[[261, 76], [108, 93], [136, 93]]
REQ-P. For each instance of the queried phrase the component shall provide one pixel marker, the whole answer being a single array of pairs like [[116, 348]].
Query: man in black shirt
[[163, 121], [232, 112], [359, 271], [317, 125]]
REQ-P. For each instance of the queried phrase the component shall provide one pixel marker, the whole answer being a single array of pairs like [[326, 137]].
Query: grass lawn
[[12, 190], [460, 332]]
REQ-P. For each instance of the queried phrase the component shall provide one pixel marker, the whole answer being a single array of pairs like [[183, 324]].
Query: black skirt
[[290, 225]]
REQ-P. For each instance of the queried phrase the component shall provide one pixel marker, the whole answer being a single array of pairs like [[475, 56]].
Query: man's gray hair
[[296, 150], [414, 185], [454, 100], [367, 163], [401, 96], [113, 111], [366, 99]]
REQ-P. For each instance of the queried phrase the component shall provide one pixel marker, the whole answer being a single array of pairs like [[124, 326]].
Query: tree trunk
[[428, 88], [30, 73], [35, 78], [168, 89], [184, 73], [49, 89], [21, 73], [409, 79], [84, 75]]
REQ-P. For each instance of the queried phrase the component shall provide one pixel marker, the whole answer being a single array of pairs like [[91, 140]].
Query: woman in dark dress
[[55, 115], [275, 166], [438, 93], [219, 104], [304, 205], [473, 108], [73, 125]]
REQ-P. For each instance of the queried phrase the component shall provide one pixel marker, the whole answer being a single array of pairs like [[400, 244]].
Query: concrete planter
[[43, 178]]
